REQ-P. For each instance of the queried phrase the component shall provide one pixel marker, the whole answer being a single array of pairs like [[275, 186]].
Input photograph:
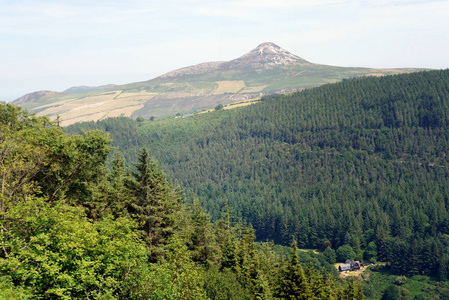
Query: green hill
[[362, 162], [70, 228]]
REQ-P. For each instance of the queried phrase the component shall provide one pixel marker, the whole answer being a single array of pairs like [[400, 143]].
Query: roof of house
[[348, 261], [345, 267]]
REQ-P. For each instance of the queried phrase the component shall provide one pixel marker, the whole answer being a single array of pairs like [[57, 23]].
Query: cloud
[[55, 18], [281, 4], [227, 12]]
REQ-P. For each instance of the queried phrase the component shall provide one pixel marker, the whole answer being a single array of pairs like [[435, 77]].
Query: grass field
[[235, 105], [253, 89], [92, 108], [229, 86]]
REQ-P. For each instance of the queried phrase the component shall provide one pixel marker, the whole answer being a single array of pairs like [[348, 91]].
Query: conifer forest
[[216, 205]]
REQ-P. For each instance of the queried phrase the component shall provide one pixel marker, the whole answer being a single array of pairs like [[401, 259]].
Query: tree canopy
[[75, 226], [356, 162]]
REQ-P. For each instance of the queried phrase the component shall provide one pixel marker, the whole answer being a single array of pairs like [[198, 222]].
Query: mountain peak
[[267, 55], [268, 47], [35, 97]]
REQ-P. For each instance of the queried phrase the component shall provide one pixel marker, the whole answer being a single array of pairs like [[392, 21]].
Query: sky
[[56, 44]]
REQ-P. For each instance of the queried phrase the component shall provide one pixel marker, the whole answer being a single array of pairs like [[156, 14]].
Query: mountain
[[264, 57], [35, 97], [84, 88], [267, 69]]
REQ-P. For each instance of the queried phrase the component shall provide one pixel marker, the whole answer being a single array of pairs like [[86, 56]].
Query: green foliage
[[223, 285], [70, 228], [9, 291], [400, 280], [155, 202], [200, 235], [352, 290], [391, 293], [189, 276], [415, 287], [370, 253], [344, 253], [351, 162], [293, 283], [56, 251], [330, 255], [444, 295]]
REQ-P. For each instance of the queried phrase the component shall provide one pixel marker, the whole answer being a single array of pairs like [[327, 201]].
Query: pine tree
[[352, 291], [117, 193], [330, 255], [226, 238], [155, 202], [293, 283], [202, 240]]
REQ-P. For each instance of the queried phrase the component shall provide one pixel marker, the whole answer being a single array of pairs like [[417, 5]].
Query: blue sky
[[53, 45]]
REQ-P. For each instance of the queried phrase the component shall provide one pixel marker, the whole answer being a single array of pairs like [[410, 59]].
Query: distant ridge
[[34, 97], [194, 70], [266, 69], [84, 88]]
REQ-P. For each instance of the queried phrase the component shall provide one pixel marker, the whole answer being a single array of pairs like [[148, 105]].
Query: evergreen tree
[[370, 253], [330, 255], [227, 240], [202, 240], [293, 283], [155, 203], [352, 291]]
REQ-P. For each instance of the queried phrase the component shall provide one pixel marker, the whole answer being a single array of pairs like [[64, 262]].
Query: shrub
[[400, 280], [330, 256], [344, 253]]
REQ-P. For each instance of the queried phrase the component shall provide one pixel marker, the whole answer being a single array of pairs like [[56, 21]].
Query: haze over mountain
[[84, 88], [267, 69]]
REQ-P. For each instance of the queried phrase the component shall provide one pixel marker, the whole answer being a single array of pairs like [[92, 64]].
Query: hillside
[[72, 229], [267, 69], [361, 163], [84, 89]]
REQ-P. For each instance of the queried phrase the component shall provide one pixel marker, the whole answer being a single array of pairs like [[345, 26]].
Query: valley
[[359, 164]]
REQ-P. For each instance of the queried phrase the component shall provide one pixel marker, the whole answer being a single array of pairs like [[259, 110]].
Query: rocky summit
[[265, 56]]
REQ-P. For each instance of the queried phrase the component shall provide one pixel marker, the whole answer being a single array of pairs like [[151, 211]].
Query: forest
[[359, 165], [77, 225]]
